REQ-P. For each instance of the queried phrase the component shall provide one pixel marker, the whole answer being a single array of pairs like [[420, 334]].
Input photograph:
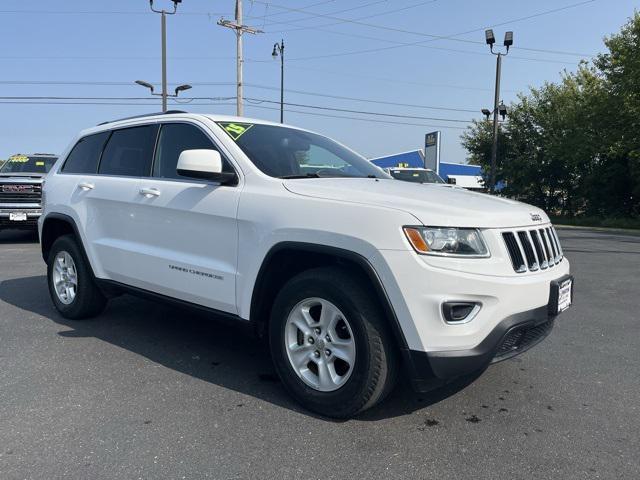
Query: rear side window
[[85, 155], [173, 140], [129, 152]]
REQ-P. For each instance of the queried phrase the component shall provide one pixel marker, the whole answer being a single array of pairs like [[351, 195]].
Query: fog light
[[460, 312]]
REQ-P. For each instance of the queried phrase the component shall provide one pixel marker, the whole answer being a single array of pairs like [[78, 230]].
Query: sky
[[354, 49]]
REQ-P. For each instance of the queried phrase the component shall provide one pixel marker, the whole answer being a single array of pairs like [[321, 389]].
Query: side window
[[129, 152], [85, 154], [173, 140]]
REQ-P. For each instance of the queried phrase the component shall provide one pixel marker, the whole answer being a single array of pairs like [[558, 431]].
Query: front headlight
[[466, 242]]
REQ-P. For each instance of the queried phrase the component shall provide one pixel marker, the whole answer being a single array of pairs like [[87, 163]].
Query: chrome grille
[[533, 249], [20, 193]]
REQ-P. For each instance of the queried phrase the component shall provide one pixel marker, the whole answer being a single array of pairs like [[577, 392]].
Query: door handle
[[150, 192], [86, 186]]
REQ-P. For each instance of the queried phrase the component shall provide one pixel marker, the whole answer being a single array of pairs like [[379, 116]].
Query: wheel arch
[[56, 225], [286, 259]]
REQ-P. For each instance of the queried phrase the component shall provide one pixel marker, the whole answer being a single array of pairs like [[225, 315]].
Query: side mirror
[[205, 164], [451, 181]]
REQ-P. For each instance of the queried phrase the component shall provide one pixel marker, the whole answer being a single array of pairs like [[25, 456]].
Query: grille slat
[[532, 263], [555, 235], [545, 245], [514, 252], [534, 249], [539, 250], [552, 245]]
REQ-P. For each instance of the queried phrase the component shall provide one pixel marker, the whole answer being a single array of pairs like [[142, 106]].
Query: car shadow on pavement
[[18, 236], [196, 344]]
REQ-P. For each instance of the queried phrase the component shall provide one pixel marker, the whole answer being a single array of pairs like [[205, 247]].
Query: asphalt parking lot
[[154, 392]]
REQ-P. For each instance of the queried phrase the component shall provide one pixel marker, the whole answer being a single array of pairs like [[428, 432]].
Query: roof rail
[[142, 116]]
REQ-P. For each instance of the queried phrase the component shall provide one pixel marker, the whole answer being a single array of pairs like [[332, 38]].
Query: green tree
[[573, 147]]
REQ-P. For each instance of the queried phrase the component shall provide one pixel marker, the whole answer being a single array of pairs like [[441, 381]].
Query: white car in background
[[415, 175], [349, 276]]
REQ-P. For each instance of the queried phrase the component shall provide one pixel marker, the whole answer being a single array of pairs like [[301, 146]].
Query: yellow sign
[[235, 130], [18, 159], [39, 164]]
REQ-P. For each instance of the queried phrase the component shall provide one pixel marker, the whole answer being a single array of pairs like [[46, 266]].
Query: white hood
[[432, 204]]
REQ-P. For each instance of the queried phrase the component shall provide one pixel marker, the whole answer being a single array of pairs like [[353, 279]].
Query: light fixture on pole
[[278, 49], [164, 95], [508, 42], [163, 32]]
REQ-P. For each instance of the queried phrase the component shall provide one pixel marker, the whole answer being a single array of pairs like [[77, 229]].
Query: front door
[[188, 226]]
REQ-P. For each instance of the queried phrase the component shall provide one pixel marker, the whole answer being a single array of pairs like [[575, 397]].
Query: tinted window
[[286, 152], [28, 164], [129, 152], [85, 155], [174, 139]]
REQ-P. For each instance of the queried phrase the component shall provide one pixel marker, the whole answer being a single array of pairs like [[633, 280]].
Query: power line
[[190, 100], [252, 85], [99, 12], [439, 37], [314, 114], [366, 100], [361, 112], [420, 44], [311, 14], [370, 120]]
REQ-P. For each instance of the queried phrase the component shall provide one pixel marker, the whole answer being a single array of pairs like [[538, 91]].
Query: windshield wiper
[[306, 175]]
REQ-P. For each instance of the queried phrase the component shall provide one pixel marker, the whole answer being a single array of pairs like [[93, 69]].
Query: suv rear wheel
[[330, 343], [71, 285]]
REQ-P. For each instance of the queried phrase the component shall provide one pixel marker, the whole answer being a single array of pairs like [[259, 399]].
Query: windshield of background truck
[[28, 164], [417, 176], [289, 153]]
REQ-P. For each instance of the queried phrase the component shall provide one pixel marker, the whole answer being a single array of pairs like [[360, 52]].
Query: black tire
[[376, 361], [89, 300]]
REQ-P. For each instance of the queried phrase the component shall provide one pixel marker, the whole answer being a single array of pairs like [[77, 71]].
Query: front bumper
[[33, 215], [513, 336], [514, 315]]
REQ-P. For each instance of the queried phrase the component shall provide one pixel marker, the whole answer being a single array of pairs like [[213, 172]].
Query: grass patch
[[622, 223]]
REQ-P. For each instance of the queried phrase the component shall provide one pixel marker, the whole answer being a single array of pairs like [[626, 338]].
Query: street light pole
[[508, 41], [278, 49], [496, 101], [163, 33]]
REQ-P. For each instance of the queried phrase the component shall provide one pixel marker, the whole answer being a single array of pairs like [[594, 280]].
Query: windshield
[[417, 176], [289, 153], [28, 164]]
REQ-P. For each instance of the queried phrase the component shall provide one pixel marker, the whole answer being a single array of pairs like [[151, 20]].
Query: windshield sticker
[[19, 159], [235, 130], [39, 164]]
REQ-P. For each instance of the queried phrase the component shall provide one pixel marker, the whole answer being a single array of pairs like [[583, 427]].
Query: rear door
[[188, 227]]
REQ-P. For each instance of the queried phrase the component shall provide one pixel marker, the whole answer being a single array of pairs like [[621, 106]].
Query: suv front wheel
[[71, 285], [330, 343]]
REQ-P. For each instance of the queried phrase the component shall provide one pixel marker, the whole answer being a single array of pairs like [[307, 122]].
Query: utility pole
[[163, 34], [239, 29], [508, 42]]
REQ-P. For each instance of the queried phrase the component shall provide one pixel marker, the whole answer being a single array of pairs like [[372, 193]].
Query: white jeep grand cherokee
[[350, 275]]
